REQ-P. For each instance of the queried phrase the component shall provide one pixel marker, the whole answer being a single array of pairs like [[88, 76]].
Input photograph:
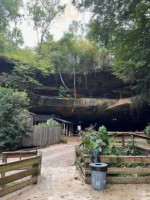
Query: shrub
[[98, 141], [51, 123], [13, 117]]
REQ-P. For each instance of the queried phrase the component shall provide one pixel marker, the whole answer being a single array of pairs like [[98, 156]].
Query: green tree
[[42, 13], [28, 67], [14, 39], [13, 118], [74, 55], [9, 13], [124, 27]]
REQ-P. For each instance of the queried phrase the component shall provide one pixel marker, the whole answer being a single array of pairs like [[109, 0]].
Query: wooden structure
[[31, 120], [139, 140], [40, 118], [42, 137], [20, 174], [68, 127], [123, 174], [19, 154], [116, 175]]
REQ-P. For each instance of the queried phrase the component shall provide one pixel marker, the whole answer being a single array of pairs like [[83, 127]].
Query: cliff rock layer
[[101, 98]]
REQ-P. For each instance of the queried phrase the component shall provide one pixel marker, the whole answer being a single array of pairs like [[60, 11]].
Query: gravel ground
[[60, 180]]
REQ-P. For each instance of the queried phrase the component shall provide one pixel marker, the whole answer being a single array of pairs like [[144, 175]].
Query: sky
[[59, 26]]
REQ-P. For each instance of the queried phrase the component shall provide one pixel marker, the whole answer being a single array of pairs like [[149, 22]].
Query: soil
[[60, 180]]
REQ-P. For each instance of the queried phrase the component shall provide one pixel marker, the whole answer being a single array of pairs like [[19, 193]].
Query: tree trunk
[[61, 78], [75, 90]]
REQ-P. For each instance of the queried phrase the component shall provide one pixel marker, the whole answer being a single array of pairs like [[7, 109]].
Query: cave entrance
[[112, 122]]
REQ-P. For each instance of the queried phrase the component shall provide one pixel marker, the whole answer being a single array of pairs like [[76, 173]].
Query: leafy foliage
[[124, 28], [72, 53], [42, 13], [98, 141], [50, 123], [9, 13], [28, 67], [13, 117], [62, 92]]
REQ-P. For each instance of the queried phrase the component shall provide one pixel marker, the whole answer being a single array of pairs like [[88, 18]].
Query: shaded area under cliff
[[119, 114]]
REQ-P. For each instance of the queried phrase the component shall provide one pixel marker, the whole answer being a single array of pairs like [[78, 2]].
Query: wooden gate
[[20, 174]]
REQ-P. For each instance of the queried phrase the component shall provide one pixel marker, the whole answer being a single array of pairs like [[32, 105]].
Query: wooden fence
[[42, 137], [118, 175], [124, 173], [20, 174]]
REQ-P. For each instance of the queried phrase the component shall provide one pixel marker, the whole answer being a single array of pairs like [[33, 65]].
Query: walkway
[[60, 180]]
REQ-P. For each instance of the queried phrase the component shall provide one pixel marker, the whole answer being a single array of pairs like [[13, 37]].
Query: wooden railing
[[18, 154], [123, 136], [20, 174]]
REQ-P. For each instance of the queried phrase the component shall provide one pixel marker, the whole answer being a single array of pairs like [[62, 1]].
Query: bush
[[98, 141], [13, 117], [51, 123]]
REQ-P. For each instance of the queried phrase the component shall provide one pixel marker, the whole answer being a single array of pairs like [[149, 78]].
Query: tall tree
[[9, 12], [124, 27], [73, 55], [43, 13]]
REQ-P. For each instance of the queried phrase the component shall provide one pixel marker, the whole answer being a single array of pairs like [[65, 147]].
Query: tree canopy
[[124, 28]]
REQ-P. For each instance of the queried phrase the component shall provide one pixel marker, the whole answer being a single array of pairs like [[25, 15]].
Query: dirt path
[[60, 180]]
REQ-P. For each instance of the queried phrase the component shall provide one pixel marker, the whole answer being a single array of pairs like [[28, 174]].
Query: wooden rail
[[18, 154], [27, 169], [133, 136]]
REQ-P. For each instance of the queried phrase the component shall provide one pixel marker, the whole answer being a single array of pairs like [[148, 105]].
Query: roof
[[32, 113], [61, 120]]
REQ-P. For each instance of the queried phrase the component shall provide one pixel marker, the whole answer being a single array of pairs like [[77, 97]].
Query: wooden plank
[[128, 170], [16, 187], [128, 180], [143, 147], [123, 180], [141, 136], [81, 173], [126, 159], [17, 154], [87, 171], [19, 164], [17, 176], [122, 159]]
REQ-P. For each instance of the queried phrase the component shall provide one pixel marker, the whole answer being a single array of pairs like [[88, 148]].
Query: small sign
[[79, 128]]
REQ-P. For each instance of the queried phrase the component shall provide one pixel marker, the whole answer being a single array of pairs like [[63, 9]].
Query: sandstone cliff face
[[116, 114], [94, 85], [101, 99]]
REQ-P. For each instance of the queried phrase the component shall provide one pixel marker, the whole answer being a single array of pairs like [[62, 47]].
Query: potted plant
[[147, 132]]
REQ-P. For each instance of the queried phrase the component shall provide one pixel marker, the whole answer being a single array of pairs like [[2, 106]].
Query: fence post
[[133, 145], [35, 175], [123, 142]]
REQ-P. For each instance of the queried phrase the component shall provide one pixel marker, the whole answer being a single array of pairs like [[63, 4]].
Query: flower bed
[[129, 170]]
